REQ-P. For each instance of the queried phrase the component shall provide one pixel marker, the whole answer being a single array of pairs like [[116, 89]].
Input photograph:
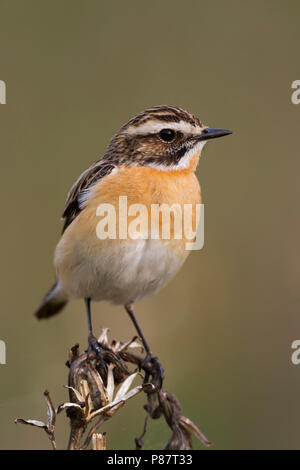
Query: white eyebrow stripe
[[153, 127]]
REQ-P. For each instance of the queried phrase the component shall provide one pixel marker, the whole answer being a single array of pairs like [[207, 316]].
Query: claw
[[154, 367], [96, 347], [159, 368]]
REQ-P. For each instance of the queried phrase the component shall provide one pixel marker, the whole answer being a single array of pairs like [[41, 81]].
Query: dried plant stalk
[[97, 392]]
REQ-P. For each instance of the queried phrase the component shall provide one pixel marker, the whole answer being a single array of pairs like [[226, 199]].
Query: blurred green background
[[75, 72]]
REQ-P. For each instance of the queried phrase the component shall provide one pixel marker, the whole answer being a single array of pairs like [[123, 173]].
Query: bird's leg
[[92, 340], [159, 371]]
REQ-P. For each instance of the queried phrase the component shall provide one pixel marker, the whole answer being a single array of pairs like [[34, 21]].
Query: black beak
[[211, 133]]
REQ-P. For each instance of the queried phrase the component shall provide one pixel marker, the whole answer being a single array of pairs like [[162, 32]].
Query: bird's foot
[[153, 367], [95, 346]]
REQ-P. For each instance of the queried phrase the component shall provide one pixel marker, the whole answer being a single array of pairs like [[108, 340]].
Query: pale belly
[[120, 271]]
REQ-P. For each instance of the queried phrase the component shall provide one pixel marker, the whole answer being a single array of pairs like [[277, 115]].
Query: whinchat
[[152, 161]]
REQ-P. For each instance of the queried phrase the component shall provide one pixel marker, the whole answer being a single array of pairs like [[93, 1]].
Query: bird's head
[[162, 137]]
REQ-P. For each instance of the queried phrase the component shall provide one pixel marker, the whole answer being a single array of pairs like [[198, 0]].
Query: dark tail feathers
[[53, 302]]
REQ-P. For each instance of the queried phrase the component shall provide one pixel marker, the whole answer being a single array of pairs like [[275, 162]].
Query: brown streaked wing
[[88, 178]]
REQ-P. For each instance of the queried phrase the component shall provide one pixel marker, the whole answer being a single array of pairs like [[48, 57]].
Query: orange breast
[[155, 190], [149, 185]]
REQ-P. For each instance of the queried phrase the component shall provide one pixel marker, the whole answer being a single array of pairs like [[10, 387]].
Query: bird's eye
[[167, 135]]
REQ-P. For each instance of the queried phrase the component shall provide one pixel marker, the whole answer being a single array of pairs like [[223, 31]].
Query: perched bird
[[151, 160]]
